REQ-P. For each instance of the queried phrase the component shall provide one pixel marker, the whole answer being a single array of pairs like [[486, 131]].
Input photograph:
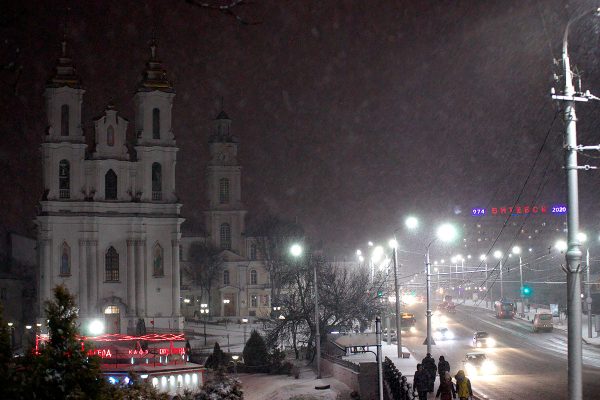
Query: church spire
[[65, 73], [154, 76]]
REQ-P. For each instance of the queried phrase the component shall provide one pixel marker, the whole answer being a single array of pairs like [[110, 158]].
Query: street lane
[[530, 366]]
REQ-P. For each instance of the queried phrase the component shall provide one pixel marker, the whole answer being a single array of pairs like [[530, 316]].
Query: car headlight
[[449, 335], [413, 329], [491, 342], [488, 367], [471, 369], [478, 344]]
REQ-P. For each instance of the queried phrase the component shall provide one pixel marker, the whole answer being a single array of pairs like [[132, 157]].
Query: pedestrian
[[421, 382], [429, 366], [463, 386], [443, 367], [446, 389]]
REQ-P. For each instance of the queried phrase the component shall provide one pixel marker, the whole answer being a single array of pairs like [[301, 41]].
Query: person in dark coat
[[421, 382], [443, 367], [446, 389], [429, 366]]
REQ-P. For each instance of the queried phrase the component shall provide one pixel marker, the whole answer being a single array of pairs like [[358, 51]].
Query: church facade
[[109, 220]]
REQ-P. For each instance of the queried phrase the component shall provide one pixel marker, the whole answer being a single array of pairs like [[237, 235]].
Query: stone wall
[[364, 382]]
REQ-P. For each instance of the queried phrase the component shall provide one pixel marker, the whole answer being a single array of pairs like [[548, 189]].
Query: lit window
[[65, 260], [64, 179], [112, 310], [225, 236], [156, 123], [112, 265], [226, 277], [64, 120], [110, 185], [224, 191]]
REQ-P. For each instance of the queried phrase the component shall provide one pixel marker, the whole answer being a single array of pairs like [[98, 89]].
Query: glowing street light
[[96, 327], [561, 245], [296, 250], [411, 222]]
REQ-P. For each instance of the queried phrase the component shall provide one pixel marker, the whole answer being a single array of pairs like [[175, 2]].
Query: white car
[[443, 333], [479, 364]]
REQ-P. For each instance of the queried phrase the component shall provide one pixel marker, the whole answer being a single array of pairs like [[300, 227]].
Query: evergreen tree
[[216, 359], [221, 387], [62, 370], [6, 362], [255, 352]]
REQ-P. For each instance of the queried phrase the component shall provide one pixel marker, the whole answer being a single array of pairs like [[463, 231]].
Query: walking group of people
[[424, 380]]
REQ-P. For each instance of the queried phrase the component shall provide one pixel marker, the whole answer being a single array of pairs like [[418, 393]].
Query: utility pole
[[429, 339], [398, 316], [573, 256], [501, 282], [588, 299], [522, 294]]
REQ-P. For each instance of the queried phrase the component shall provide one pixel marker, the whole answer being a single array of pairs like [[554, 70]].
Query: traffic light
[[380, 293], [526, 291]]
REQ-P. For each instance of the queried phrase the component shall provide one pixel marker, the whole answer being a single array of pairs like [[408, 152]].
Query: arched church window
[[157, 263], [111, 265], [110, 136], [64, 120], [156, 181], [156, 123], [225, 234], [223, 191], [226, 277], [253, 277], [110, 185], [64, 179], [65, 260]]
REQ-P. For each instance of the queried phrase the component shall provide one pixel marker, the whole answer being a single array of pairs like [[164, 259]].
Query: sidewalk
[[560, 324]]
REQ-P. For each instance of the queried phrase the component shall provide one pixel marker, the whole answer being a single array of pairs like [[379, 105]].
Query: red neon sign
[[520, 210]]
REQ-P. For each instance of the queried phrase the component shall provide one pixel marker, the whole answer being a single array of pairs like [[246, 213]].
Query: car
[[477, 363], [443, 333], [483, 339], [542, 322]]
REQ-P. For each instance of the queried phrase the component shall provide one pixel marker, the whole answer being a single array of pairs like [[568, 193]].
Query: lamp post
[[235, 358], [516, 250], [573, 256], [588, 301], [12, 335], [498, 256], [204, 312], [483, 258], [445, 233], [245, 323], [296, 251], [394, 245]]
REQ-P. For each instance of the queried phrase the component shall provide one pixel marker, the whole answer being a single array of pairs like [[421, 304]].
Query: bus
[[505, 309]]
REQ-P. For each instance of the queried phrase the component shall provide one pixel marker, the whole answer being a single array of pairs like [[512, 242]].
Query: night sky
[[351, 114]]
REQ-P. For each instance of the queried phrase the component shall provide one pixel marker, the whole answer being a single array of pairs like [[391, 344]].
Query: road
[[530, 366]]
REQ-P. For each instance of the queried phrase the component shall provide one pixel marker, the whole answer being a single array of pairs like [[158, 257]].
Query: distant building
[[109, 221], [242, 287]]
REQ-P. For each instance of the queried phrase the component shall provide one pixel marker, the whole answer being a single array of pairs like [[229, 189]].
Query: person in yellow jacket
[[463, 386]]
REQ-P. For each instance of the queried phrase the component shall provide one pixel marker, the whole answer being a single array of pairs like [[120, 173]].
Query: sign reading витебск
[[558, 209]]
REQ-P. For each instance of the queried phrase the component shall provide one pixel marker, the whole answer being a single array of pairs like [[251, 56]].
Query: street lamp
[[394, 245], [296, 251], [96, 327], [516, 250], [12, 335], [245, 323], [573, 255], [235, 358], [483, 258], [204, 311], [446, 233], [498, 256]]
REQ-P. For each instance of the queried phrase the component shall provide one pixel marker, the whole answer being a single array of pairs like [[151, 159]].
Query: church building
[[109, 220], [241, 287]]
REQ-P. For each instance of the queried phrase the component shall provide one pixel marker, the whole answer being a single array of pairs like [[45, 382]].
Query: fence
[[396, 384], [347, 364]]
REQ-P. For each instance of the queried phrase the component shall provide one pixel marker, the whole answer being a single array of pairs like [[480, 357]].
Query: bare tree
[[205, 267], [274, 236]]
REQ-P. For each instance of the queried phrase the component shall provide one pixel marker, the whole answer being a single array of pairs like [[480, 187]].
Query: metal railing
[[156, 196], [397, 385], [64, 193]]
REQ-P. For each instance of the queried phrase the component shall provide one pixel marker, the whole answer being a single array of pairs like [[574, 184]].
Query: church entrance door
[[229, 306], [112, 319]]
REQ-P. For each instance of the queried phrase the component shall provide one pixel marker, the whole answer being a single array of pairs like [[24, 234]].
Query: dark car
[[479, 364], [483, 339]]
